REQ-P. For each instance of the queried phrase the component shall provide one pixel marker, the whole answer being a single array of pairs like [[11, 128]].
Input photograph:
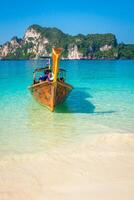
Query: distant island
[[39, 41]]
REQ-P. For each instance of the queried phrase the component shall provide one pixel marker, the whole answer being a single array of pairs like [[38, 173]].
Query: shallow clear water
[[102, 101]]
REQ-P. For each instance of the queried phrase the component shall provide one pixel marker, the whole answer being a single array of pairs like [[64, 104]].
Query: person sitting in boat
[[46, 74], [42, 78], [50, 76], [45, 77]]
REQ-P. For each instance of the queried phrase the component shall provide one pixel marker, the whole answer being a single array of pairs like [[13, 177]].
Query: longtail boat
[[53, 89]]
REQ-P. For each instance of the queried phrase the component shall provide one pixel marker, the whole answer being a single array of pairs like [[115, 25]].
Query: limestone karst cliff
[[39, 41]]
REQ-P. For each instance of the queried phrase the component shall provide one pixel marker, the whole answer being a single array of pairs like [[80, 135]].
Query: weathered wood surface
[[50, 94]]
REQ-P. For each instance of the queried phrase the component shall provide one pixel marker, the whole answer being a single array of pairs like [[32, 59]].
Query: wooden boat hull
[[50, 94]]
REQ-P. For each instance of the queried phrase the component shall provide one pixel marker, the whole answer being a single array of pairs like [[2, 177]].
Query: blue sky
[[71, 16]]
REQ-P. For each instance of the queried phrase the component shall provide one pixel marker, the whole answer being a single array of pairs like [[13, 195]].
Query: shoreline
[[68, 59], [96, 167]]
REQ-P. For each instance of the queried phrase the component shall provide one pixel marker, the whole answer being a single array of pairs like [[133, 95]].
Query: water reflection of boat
[[51, 89]]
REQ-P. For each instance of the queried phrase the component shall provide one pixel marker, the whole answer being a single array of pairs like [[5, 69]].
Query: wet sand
[[97, 167]]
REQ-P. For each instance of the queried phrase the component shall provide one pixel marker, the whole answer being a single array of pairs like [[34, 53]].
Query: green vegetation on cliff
[[91, 46], [126, 51]]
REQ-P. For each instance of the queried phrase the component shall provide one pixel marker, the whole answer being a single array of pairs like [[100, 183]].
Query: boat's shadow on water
[[79, 102]]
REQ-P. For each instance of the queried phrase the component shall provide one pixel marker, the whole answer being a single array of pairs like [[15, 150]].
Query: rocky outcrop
[[39, 41], [106, 47], [10, 47], [31, 34], [73, 52], [5, 49]]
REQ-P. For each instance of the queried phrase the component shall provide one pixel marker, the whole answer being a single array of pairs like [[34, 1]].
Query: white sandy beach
[[99, 167]]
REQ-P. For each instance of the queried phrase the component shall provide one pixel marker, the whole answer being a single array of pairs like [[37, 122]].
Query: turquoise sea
[[102, 101]]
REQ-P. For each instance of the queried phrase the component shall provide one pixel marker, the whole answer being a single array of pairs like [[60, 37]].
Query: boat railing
[[61, 74]]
